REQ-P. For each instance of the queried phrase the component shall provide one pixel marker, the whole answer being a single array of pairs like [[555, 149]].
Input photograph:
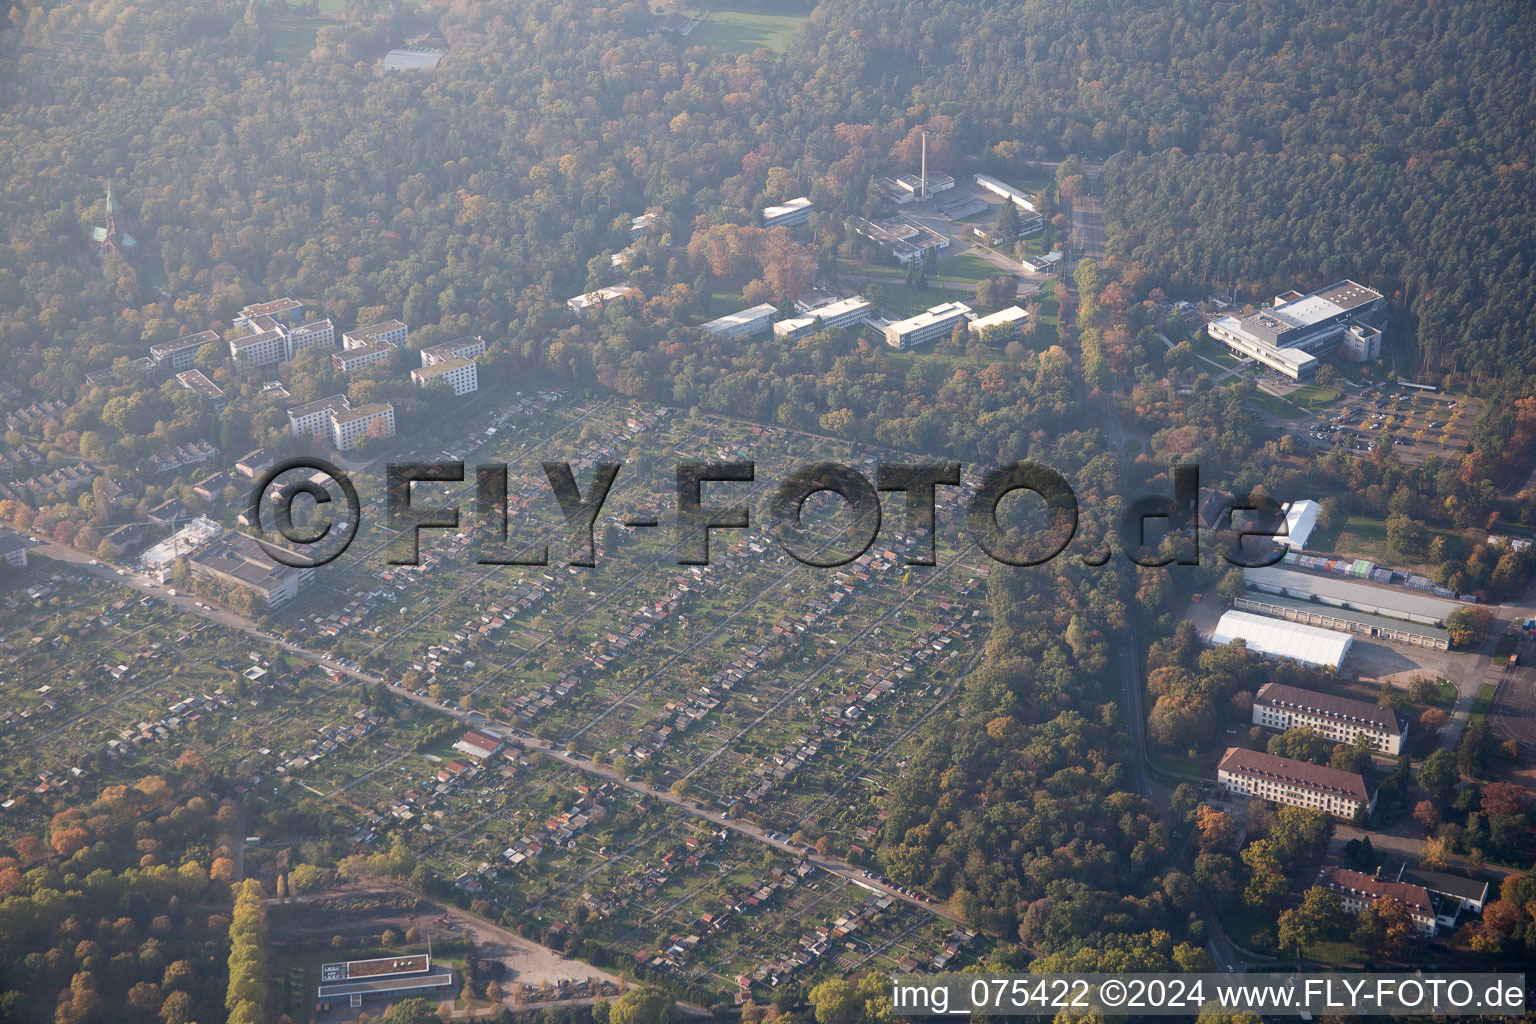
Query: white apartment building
[[459, 373], [1334, 718], [934, 322], [349, 359], [319, 334], [460, 348], [264, 348], [176, 356], [389, 332], [284, 310], [348, 427], [314, 418], [1281, 780]]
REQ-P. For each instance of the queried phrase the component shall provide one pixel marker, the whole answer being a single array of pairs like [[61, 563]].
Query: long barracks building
[[1339, 719]]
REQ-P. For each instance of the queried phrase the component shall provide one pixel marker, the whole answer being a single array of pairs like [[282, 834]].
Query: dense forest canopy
[[1279, 146]]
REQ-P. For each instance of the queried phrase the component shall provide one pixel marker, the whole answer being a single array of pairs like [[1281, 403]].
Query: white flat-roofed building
[[241, 561], [580, 304], [1339, 719], [349, 359], [390, 332], [459, 373], [285, 310], [1278, 638], [1345, 620], [178, 355], [742, 323], [319, 334], [795, 211], [1009, 317], [934, 322], [1281, 780], [459, 348], [842, 313], [905, 239], [195, 534], [1292, 334], [1390, 602], [198, 383], [411, 58], [265, 348], [1008, 192], [1362, 343], [1300, 521], [314, 418], [391, 977], [350, 426]]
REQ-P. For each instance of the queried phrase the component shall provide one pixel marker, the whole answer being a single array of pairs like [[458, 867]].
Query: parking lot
[[1417, 424]]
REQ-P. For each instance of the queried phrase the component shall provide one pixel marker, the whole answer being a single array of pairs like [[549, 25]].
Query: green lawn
[[905, 300], [1216, 353], [968, 267], [1481, 704], [743, 29], [1277, 407], [1366, 537], [1334, 953], [292, 40], [1312, 395], [1445, 693]]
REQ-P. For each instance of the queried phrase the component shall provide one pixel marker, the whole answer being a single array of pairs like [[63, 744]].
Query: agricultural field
[[742, 29]]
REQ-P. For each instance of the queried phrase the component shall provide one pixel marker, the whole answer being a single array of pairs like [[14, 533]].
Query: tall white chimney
[[923, 196]]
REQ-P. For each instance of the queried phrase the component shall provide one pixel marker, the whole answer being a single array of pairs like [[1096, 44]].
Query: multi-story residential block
[[459, 348], [176, 356], [1282, 780], [389, 332], [842, 313], [263, 348], [458, 372], [320, 334], [1339, 719], [285, 310], [314, 418], [350, 359], [350, 426]]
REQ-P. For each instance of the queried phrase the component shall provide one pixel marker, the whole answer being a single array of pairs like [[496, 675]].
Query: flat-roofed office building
[[935, 322]]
